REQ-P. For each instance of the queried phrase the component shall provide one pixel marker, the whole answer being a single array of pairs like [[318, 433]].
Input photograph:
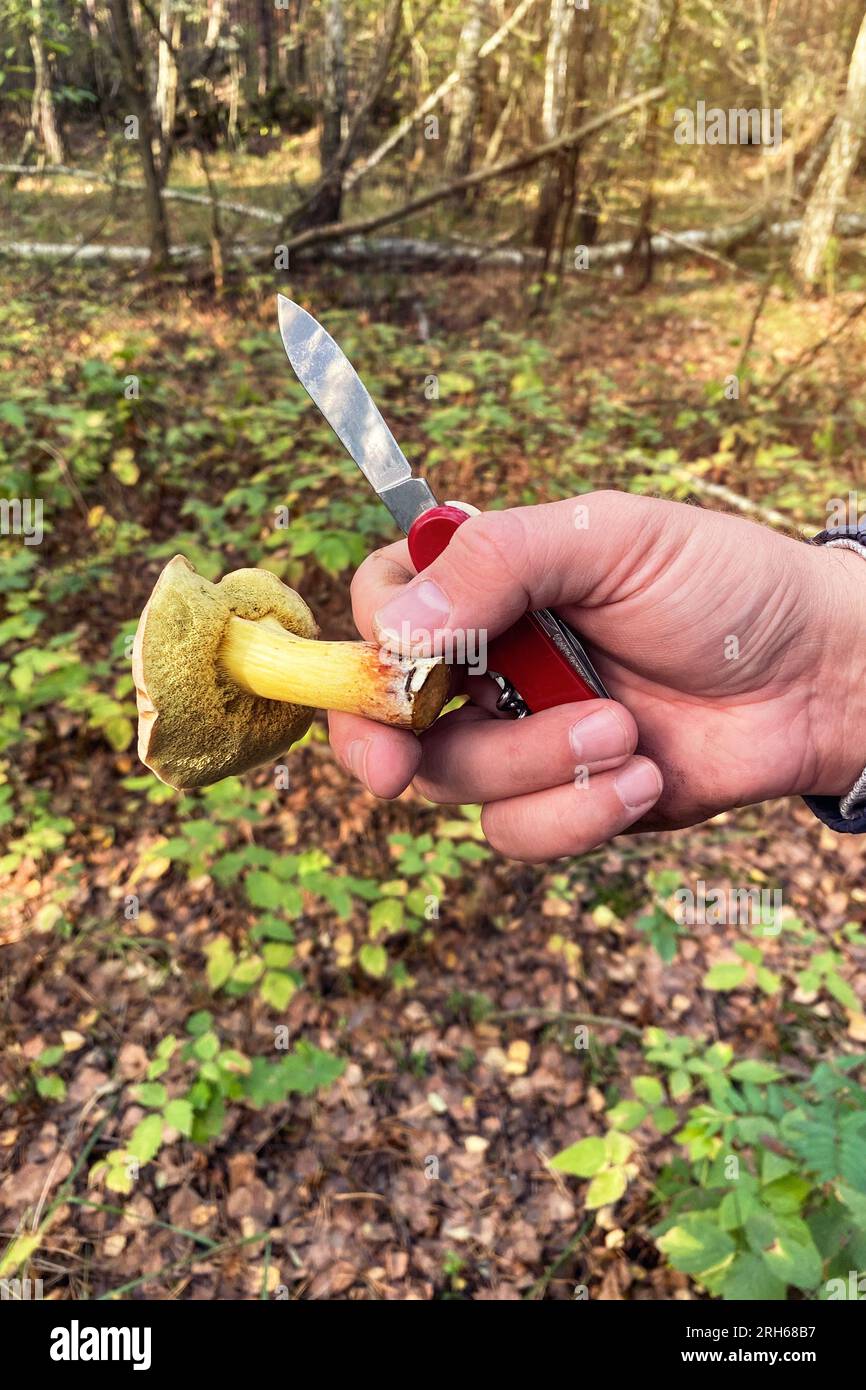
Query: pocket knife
[[539, 662]]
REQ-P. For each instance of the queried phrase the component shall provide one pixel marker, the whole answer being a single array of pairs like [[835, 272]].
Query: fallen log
[[420, 254], [71, 251]]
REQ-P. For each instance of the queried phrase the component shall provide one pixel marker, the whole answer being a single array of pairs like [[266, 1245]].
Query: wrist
[[837, 706]]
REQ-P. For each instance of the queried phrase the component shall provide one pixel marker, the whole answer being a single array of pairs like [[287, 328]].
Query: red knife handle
[[525, 655]]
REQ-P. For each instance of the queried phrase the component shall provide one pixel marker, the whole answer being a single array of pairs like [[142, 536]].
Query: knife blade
[[539, 657], [327, 375]]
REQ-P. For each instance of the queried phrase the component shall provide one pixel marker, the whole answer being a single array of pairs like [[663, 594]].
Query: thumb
[[499, 564]]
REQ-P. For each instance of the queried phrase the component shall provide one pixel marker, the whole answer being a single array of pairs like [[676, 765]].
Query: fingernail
[[419, 608], [638, 784], [356, 757], [597, 736]]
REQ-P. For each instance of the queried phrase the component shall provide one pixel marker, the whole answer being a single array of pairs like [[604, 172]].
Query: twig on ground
[[558, 1016]]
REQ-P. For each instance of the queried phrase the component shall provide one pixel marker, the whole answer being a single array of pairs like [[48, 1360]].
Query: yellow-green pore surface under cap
[[195, 725]]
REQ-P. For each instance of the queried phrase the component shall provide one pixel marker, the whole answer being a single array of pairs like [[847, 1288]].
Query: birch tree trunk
[[43, 117], [328, 192], [556, 67], [216, 10], [829, 190], [327, 200], [334, 103], [552, 114], [135, 88], [264, 45], [166, 82], [465, 99]]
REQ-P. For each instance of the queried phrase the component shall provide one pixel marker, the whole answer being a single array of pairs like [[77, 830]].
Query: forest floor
[[422, 1170]]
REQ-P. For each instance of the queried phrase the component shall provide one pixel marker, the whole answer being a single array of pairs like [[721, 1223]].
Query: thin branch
[[85, 240], [768, 515], [556, 1016], [753, 323]]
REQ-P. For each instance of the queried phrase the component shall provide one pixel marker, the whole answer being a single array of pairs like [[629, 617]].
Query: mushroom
[[229, 675]]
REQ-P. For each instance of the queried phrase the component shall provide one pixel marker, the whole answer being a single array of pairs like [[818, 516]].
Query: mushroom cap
[[194, 724]]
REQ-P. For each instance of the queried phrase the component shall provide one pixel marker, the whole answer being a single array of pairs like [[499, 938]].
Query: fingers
[[585, 789], [482, 759], [499, 564], [534, 826], [380, 577], [572, 819], [384, 759]]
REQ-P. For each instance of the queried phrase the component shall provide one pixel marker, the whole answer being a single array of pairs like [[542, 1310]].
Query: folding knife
[[539, 662]]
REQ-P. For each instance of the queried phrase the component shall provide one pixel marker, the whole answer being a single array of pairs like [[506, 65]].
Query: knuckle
[[627, 722], [623, 508], [492, 543]]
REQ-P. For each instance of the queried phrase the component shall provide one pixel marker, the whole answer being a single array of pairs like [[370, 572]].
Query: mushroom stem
[[356, 677]]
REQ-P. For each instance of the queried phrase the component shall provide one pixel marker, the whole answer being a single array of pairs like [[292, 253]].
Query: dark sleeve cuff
[[827, 809]]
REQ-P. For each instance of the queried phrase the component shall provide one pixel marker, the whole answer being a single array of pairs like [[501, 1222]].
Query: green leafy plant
[[769, 1193], [775, 1194], [605, 1161], [727, 975], [657, 922], [267, 968], [49, 1084], [212, 1077], [824, 972]]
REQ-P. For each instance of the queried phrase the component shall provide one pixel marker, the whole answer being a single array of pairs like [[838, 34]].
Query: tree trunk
[[395, 253], [328, 192], [94, 77], [132, 73], [643, 239], [216, 10], [264, 45], [327, 200], [464, 102], [295, 48], [823, 205], [43, 117], [234, 101], [556, 68], [334, 94], [166, 83], [552, 113]]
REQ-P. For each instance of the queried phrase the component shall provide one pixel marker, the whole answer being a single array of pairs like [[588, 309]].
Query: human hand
[[733, 655]]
